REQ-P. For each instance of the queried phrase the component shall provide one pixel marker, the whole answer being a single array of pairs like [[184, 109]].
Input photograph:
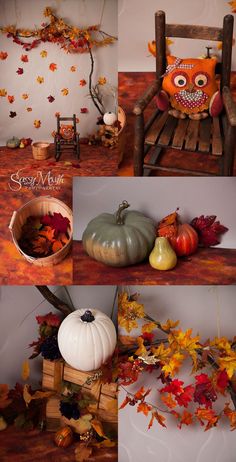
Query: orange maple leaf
[[168, 401], [56, 246], [53, 67], [47, 232], [125, 402], [3, 55], [144, 408], [231, 416], [142, 393], [208, 415], [160, 419], [186, 419], [149, 327], [141, 351], [11, 99], [82, 82]]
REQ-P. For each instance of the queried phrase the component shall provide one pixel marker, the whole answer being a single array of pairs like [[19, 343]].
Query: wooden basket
[[105, 394], [122, 134], [40, 150], [40, 206]]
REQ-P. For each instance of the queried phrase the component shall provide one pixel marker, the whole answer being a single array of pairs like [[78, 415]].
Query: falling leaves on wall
[[43, 54], [3, 92], [3, 55], [51, 98], [37, 123], [12, 114], [82, 82], [40, 79], [29, 109], [233, 6], [57, 114], [24, 58], [64, 91], [20, 71], [11, 99], [102, 81], [24, 96], [53, 67], [73, 68], [84, 110]]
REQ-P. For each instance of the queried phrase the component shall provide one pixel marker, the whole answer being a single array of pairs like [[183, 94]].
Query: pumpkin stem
[[87, 316], [119, 215]]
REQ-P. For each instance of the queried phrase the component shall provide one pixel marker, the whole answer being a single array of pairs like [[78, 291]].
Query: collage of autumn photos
[[117, 231]]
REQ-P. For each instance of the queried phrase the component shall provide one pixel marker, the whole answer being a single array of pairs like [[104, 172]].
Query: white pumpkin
[[86, 339], [109, 118]]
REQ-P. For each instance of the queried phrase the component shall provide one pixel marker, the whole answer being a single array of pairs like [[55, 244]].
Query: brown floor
[[131, 87]]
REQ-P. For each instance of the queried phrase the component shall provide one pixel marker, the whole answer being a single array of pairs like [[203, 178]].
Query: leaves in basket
[[56, 221]]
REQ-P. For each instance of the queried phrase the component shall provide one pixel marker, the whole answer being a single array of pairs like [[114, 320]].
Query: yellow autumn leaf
[[105, 444], [149, 327], [222, 344], [169, 324], [161, 353], [129, 310], [228, 363], [173, 365], [25, 96], [64, 91], [3, 92], [25, 370], [37, 123], [233, 6], [37, 395], [97, 426], [102, 81], [40, 79], [43, 53], [141, 351]]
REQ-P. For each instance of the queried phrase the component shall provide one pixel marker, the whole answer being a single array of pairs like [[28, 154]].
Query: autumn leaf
[[129, 310], [184, 398], [43, 54], [24, 58], [144, 408], [222, 381], [50, 319], [185, 419], [3, 92], [204, 392], [141, 351], [50, 98], [57, 114], [175, 387], [161, 353], [82, 452], [37, 123], [82, 82], [160, 419], [3, 55], [47, 232], [233, 6], [228, 363], [64, 91], [169, 325], [56, 246], [207, 415], [12, 114], [25, 370], [228, 412], [20, 71], [4, 401], [57, 222], [126, 401], [84, 110], [97, 426], [169, 401], [149, 327], [147, 337], [53, 67], [73, 68], [40, 79], [37, 394], [11, 99], [25, 96], [222, 344], [142, 393], [172, 366], [182, 341], [29, 109], [208, 230], [102, 81], [41, 246]]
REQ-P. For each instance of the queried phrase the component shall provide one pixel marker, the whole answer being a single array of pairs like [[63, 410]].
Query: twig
[[54, 300], [90, 81]]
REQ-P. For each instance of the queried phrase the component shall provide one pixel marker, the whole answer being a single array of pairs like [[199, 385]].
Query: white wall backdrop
[[136, 29], [210, 311], [28, 13], [157, 197], [18, 328]]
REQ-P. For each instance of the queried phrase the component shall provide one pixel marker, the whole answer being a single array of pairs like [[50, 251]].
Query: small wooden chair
[[61, 142], [213, 136]]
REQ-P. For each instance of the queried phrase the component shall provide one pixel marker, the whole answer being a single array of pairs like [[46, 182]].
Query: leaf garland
[[166, 357]]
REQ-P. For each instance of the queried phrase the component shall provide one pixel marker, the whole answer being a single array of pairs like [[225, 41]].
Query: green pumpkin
[[119, 239], [13, 142]]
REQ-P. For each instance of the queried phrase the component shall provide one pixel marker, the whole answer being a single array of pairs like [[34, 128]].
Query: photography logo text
[[40, 181]]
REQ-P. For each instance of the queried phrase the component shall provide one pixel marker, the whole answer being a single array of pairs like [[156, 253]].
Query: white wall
[[136, 29], [18, 328], [157, 197], [210, 311], [27, 13]]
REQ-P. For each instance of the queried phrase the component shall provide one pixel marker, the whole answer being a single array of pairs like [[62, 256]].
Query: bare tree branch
[[54, 300]]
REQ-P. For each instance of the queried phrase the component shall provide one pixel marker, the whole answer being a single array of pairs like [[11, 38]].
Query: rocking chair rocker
[[215, 137]]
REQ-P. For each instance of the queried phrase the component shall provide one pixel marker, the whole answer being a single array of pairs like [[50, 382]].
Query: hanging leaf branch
[[166, 357]]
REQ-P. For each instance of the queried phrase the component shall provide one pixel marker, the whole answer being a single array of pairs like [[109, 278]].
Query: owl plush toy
[[189, 86]]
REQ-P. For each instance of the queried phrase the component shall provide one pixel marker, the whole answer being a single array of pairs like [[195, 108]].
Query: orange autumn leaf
[[73, 68], [40, 79], [24, 96], [82, 452], [98, 427], [47, 232], [125, 402], [156, 416], [24, 58], [168, 226], [37, 395], [82, 82], [185, 419], [57, 114], [102, 81], [168, 401], [64, 91], [149, 327], [231, 416], [170, 324], [142, 393], [3, 92], [172, 366], [3, 55], [233, 6], [144, 408], [41, 246], [11, 99], [207, 415], [53, 67], [63, 238], [141, 351], [4, 401], [56, 246], [37, 123]]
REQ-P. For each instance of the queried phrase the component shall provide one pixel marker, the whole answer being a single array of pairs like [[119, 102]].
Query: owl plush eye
[[200, 79], [180, 79]]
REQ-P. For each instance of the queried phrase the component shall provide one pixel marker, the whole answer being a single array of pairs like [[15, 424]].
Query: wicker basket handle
[[12, 220]]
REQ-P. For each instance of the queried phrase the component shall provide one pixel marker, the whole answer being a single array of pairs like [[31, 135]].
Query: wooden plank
[[191, 138], [194, 32], [227, 41], [216, 137], [156, 128], [205, 135], [166, 134], [153, 159], [179, 135], [160, 36]]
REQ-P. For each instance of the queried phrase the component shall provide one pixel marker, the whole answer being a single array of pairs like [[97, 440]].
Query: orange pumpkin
[[64, 437]]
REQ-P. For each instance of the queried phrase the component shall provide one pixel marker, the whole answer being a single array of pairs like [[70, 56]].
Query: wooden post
[[139, 145], [229, 150], [160, 26], [228, 25]]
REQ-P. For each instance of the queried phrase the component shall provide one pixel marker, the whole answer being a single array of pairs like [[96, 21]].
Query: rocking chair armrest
[[145, 99], [229, 105]]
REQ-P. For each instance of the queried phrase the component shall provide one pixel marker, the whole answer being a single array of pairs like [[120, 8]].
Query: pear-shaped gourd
[[162, 256]]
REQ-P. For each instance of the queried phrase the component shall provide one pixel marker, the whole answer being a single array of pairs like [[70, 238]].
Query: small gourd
[[86, 339], [162, 257], [13, 143], [109, 118], [64, 437]]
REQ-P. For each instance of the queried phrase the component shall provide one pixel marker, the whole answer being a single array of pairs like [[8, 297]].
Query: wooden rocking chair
[[212, 136], [70, 141]]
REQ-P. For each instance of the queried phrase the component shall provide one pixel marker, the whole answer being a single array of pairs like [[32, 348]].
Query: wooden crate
[[105, 394]]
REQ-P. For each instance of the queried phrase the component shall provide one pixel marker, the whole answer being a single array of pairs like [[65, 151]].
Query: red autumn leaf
[[53, 67], [144, 408], [24, 58], [141, 393], [84, 110], [82, 82], [222, 380], [126, 401], [56, 221], [56, 246], [147, 336], [20, 70], [51, 98], [11, 99], [208, 230], [174, 387], [128, 373], [50, 319], [204, 392], [12, 114], [3, 55], [183, 399]]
